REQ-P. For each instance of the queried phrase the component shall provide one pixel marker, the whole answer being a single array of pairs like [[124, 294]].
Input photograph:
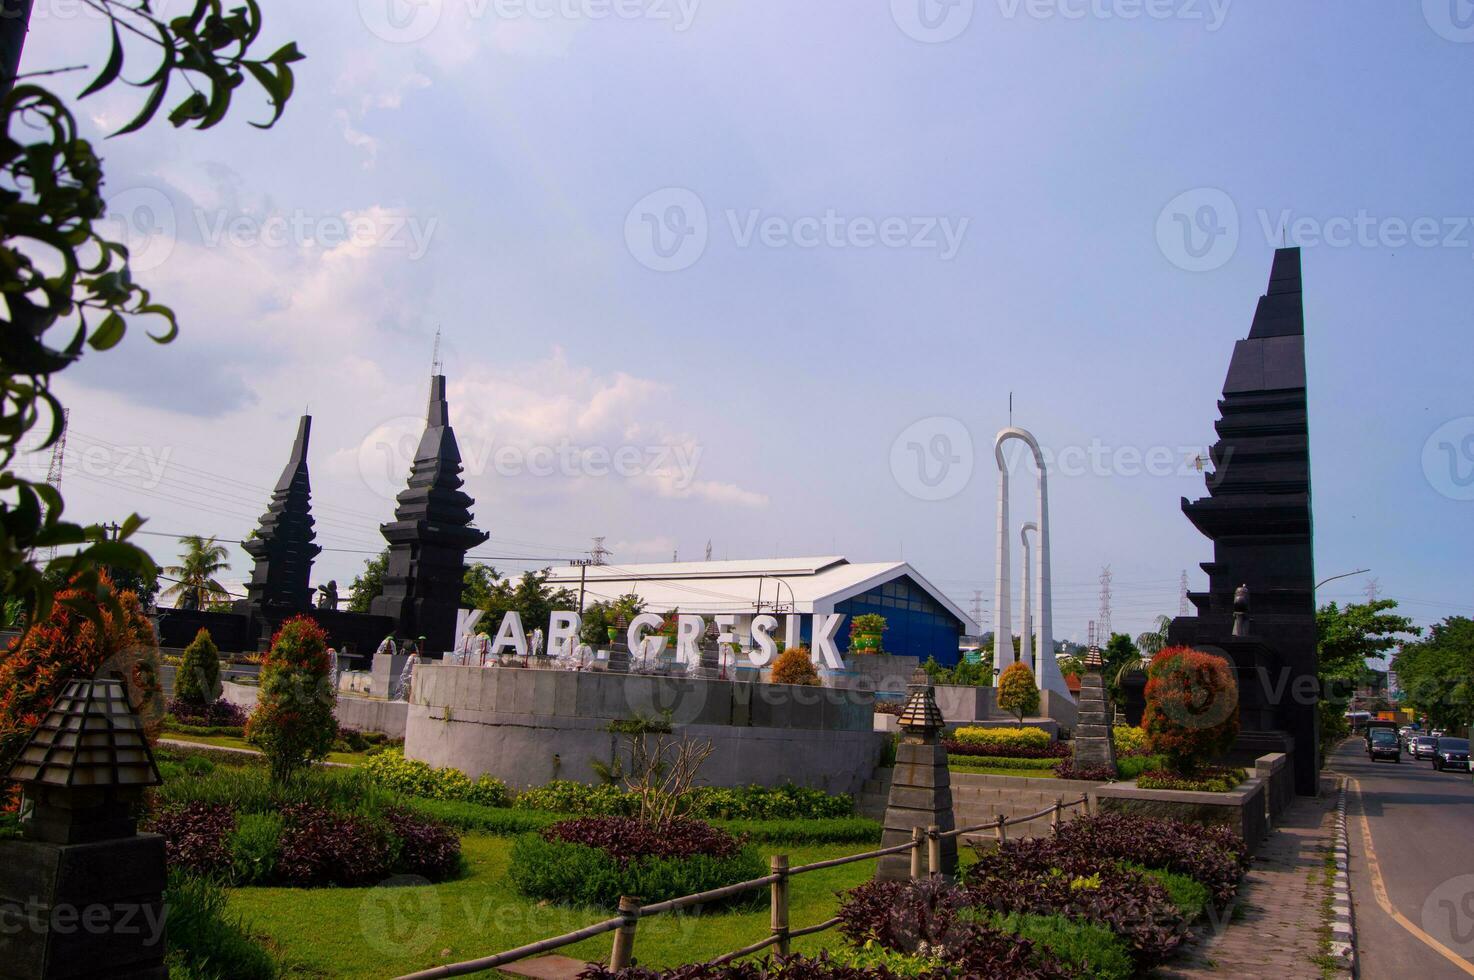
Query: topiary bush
[[595, 860], [1023, 738], [1129, 740], [293, 723], [1192, 708], [1017, 692], [794, 666], [391, 770], [1010, 748], [197, 679]]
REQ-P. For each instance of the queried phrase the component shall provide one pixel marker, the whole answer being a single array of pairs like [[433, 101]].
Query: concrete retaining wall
[[364, 714], [1278, 776], [979, 798], [1243, 811], [528, 726]]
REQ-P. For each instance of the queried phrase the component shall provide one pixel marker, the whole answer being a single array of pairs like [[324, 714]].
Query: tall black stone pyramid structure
[[429, 536], [283, 546], [1258, 516]]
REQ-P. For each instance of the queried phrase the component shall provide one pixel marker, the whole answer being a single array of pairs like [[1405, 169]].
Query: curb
[[1343, 925]]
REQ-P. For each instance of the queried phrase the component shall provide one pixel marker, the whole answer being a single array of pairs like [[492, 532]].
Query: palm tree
[[1151, 643], [194, 577]]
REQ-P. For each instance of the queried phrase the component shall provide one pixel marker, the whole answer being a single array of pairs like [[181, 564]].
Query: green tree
[[1437, 673], [1154, 641], [599, 616], [964, 674], [197, 681], [1119, 658], [67, 288], [1346, 637], [195, 586], [293, 724], [369, 584], [477, 583], [1017, 692], [531, 598]]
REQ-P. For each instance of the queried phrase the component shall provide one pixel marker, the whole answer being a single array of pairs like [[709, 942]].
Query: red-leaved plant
[[1192, 708]]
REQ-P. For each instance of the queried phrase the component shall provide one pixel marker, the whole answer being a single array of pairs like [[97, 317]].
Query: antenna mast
[[436, 367]]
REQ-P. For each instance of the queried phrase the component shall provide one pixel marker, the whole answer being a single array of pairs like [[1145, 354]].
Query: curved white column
[[1046, 671], [1026, 614]]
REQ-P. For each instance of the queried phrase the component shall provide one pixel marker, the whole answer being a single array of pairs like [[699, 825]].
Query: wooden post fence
[[624, 937], [778, 865], [934, 850], [916, 839]]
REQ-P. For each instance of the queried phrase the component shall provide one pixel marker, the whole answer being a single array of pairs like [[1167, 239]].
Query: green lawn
[[236, 742], [384, 932]]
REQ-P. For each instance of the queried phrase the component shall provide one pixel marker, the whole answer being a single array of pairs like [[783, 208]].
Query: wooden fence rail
[[927, 841]]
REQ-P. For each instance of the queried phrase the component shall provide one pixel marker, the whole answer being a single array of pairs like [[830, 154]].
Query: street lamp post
[[1333, 578]]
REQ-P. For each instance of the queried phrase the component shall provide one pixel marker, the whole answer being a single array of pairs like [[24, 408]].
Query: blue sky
[[499, 168]]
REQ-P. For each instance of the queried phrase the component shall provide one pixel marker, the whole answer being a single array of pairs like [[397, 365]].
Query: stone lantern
[[921, 785], [87, 888]]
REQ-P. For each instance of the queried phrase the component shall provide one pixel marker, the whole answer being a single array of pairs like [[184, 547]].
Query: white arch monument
[[1046, 670]]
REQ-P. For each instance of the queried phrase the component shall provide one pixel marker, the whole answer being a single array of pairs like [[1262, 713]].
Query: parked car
[[1383, 744], [1451, 753], [1424, 746]]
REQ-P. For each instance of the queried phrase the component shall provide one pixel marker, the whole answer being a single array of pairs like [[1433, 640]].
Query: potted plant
[[865, 632]]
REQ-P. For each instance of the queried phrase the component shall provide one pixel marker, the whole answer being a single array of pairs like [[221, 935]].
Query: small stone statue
[[1241, 611], [333, 671], [327, 595]]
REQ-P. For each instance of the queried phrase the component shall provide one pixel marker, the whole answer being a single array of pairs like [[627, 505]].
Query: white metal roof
[[809, 585]]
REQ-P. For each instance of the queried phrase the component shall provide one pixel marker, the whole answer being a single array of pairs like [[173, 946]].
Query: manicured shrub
[[412, 777], [205, 942], [469, 818], [1017, 692], [931, 917], [324, 847], [794, 666], [1209, 780], [1089, 950], [426, 847], [1128, 740], [1014, 749], [577, 874], [293, 723], [626, 839], [566, 796], [1002, 762], [823, 830], [196, 836], [1192, 708], [197, 679], [1099, 773], [219, 713], [1214, 856], [785, 802], [1016, 737], [254, 848], [1036, 876], [1133, 766]]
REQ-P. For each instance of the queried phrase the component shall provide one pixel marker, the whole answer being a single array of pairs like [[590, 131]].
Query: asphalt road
[[1422, 847]]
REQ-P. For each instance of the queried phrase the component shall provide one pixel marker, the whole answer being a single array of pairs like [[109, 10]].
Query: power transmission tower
[[708, 549], [977, 606], [599, 553], [1182, 595], [1103, 617], [58, 463], [1373, 589]]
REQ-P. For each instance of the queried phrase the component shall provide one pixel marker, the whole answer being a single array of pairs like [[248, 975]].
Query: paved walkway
[[1275, 931]]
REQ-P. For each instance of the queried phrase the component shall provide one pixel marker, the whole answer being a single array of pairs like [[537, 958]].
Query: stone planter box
[[1242, 810]]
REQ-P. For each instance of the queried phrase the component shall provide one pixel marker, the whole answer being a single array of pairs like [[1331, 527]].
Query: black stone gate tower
[[429, 536], [1257, 514], [283, 546]]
